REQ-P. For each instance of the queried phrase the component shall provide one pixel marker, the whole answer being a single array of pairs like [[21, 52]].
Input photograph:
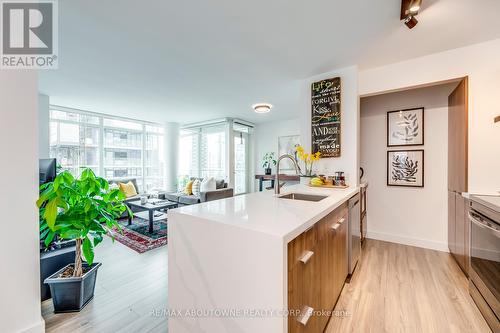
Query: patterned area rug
[[137, 237]]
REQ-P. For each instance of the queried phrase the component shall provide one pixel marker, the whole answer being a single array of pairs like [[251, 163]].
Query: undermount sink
[[303, 197]]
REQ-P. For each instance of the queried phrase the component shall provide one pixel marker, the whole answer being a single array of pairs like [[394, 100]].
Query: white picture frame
[[287, 145]]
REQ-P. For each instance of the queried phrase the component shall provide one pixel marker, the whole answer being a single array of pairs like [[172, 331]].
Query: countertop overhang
[[264, 212]]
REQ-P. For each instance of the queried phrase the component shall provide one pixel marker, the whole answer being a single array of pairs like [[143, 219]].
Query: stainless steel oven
[[484, 217]]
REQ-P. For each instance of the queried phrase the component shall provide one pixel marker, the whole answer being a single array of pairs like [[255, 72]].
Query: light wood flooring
[[398, 288], [130, 287], [395, 288]]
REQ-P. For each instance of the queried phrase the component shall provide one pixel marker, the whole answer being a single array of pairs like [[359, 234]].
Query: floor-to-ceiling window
[[113, 147], [205, 150]]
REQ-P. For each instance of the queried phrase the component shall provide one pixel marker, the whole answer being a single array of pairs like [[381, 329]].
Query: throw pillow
[[128, 189], [196, 187], [207, 185], [189, 188]]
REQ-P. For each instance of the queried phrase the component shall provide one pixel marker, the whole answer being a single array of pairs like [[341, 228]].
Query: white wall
[[266, 140], [349, 159], [19, 258], [171, 155], [266, 134], [413, 216], [481, 62], [43, 126]]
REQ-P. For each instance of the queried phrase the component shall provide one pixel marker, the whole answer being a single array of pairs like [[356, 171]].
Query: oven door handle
[[483, 225]]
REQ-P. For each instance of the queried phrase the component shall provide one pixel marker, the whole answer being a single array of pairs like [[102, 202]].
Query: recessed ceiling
[[195, 60]]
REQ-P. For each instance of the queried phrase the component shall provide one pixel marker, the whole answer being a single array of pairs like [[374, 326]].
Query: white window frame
[[100, 126]]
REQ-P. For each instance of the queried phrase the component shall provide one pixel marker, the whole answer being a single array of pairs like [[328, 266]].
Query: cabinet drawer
[[299, 248], [304, 292], [332, 221]]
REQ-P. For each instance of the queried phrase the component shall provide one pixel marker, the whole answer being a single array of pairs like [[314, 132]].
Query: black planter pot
[[73, 293], [268, 171]]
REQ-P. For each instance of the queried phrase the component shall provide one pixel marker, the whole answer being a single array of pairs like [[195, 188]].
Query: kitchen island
[[238, 264]]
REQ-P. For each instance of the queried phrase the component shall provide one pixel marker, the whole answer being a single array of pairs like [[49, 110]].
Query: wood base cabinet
[[458, 230], [458, 226], [317, 269]]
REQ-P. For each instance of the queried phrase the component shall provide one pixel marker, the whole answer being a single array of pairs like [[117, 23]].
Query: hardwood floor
[[398, 288], [131, 291], [395, 288]]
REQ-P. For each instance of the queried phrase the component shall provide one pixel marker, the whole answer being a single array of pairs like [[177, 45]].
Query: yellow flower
[[299, 149]]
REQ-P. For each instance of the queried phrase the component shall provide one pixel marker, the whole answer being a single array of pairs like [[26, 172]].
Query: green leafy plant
[[268, 159], [82, 209]]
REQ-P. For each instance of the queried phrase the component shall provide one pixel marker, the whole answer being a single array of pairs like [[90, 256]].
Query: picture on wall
[[405, 127], [326, 117], [405, 168], [286, 145]]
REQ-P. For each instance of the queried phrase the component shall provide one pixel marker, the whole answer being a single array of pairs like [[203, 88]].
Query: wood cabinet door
[[304, 290], [461, 232], [451, 222], [458, 138], [304, 295], [340, 258]]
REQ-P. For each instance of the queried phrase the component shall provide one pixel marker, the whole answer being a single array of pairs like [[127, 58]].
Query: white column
[[230, 153], [20, 256], [43, 126], [171, 155]]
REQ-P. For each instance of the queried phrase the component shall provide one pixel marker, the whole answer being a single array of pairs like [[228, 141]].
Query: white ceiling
[[196, 60]]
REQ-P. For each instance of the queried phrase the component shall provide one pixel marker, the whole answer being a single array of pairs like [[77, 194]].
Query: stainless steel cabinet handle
[[342, 220], [306, 256], [483, 225], [335, 226], [305, 315]]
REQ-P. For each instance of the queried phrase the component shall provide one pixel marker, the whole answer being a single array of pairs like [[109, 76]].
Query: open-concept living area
[[250, 167]]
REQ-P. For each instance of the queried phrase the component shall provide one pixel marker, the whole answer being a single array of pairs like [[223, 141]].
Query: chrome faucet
[[277, 186]]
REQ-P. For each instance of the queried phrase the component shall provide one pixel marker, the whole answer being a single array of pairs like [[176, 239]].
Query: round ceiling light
[[262, 107]]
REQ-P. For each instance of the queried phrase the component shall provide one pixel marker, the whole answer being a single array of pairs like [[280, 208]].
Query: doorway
[[407, 211]]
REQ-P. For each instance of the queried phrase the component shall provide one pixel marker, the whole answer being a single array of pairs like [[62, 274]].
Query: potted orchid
[[305, 162]]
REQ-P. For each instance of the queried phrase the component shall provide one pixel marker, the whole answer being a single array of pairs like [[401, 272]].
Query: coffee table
[[150, 207]]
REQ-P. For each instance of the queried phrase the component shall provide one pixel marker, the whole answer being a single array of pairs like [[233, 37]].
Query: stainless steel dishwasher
[[354, 237]]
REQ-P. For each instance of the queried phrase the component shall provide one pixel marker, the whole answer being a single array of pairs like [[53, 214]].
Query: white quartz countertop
[[264, 212]]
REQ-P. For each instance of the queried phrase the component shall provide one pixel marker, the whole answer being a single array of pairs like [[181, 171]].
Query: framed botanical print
[[287, 145], [405, 168], [405, 127]]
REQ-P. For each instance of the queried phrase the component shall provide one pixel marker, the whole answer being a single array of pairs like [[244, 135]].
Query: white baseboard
[[39, 327], [425, 243]]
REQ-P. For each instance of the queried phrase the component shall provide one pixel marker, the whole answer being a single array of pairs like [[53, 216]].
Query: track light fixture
[[410, 21], [410, 9]]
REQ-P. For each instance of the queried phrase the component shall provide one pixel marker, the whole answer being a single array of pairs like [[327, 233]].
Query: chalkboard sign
[[326, 117]]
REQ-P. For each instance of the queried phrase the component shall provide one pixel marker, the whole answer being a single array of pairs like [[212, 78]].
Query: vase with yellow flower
[[305, 161]]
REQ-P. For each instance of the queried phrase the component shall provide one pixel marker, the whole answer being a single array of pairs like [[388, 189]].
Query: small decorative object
[[85, 210], [306, 173], [326, 183], [144, 200], [326, 117], [286, 145], [405, 127], [268, 159], [405, 168]]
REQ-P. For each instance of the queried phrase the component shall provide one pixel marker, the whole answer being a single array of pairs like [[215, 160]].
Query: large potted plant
[[82, 209], [267, 161]]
